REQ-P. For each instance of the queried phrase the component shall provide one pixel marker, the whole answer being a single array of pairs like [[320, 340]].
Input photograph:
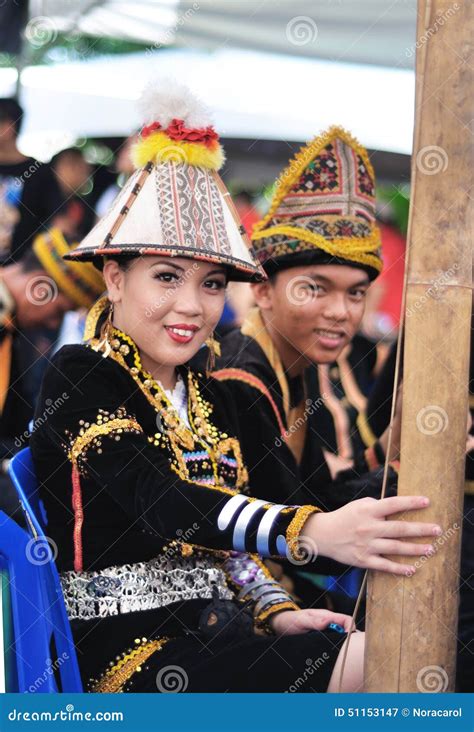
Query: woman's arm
[[97, 431], [106, 447]]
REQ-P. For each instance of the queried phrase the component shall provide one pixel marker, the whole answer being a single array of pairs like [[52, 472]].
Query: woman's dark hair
[[124, 261]]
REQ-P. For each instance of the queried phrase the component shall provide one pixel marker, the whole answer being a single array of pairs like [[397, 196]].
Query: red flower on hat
[[148, 129], [176, 130]]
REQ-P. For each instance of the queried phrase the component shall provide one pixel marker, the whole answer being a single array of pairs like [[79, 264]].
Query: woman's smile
[[181, 332]]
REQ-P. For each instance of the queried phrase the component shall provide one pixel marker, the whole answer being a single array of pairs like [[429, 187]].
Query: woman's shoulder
[[79, 364], [76, 356]]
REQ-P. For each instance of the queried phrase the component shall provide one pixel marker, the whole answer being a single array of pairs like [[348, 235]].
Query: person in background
[[124, 168], [72, 172], [319, 244], [30, 197], [34, 292]]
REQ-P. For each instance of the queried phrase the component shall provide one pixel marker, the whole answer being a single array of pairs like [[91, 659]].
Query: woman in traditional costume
[[148, 499]]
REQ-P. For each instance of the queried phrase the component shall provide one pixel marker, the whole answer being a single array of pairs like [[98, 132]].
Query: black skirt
[[297, 663], [161, 651]]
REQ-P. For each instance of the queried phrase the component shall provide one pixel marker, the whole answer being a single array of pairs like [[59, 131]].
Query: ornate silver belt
[[148, 585]]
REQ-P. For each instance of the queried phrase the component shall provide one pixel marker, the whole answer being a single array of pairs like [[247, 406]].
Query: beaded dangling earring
[[214, 350], [105, 333]]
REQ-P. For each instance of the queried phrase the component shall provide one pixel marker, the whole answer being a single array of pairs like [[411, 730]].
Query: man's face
[[313, 311]]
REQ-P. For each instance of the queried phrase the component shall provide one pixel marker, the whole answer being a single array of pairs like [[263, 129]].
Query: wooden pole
[[412, 621]]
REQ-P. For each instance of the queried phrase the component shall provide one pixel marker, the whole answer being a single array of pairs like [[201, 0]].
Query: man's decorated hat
[[323, 209], [175, 203], [82, 284]]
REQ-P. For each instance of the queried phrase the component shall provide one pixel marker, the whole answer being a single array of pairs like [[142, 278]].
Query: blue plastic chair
[[45, 655], [22, 474]]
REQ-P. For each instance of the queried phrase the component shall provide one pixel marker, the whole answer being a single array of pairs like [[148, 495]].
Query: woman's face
[[168, 305]]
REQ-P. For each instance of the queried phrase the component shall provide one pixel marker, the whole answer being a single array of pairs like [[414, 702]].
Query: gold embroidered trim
[[338, 412], [356, 249], [263, 617], [365, 430], [116, 677], [177, 435], [294, 530], [469, 487], [254, 327], [262, 566], [93, 316], [349, 382], [222, 488], [95, 430]]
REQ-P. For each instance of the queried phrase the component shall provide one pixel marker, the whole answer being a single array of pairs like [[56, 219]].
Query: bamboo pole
[[412, 621]]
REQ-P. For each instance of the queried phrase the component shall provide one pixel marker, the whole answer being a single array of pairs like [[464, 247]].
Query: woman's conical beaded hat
[[175, 203]]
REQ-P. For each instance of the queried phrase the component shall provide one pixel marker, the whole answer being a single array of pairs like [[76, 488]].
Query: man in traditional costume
[[320, 246], [322, 216]]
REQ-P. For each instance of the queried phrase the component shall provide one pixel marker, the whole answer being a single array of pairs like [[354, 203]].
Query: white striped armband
[[256, 525]]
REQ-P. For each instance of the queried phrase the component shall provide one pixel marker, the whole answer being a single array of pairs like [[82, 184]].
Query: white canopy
[[380, 32], [279, 70], [253, 95]]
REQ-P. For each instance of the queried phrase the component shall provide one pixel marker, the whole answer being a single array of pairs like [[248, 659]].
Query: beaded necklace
[[172, 430]]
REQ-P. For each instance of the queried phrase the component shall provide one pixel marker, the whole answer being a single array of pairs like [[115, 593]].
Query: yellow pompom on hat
[[82, 284], [175, 204], [323, 209]]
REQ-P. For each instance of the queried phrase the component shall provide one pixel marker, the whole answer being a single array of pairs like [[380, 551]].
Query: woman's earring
[[106, 333], [214, 350]]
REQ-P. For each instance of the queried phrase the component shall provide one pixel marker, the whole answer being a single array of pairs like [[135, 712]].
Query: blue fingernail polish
[[335, 626]]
